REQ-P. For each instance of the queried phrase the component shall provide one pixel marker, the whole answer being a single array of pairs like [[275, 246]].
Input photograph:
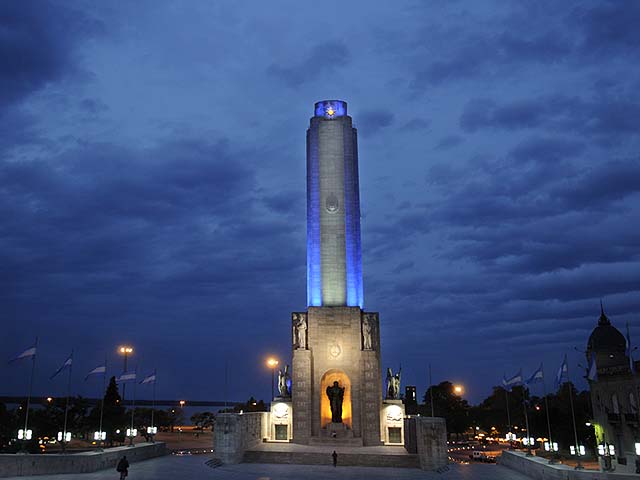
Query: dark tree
[[447, 404], [114, 414], [202, 420]]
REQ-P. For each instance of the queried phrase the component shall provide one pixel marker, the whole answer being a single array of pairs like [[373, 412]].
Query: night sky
[[152, 183]]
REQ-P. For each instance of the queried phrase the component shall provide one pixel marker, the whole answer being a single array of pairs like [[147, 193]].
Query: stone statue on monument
[[336, 395], [300, 330], [367, 328], [393, 384], [283, 377]]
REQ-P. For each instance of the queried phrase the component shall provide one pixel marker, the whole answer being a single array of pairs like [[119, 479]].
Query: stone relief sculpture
[[393, 384], [367, 328], [336, 395], [300, 330], [283, 382]]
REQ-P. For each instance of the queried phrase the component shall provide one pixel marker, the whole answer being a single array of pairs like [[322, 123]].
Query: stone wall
[[427, 436], [538, 468], [17, 465], [235, 432]]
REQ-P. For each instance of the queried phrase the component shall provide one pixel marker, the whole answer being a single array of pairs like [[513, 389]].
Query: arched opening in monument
[[335, 375]]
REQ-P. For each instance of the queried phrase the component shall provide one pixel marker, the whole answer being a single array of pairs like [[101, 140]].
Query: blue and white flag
[[514, 381], [536, 377], [126, 377], [592, 374], [28, 353], [67, 364], [629, 352], [101, 369], [562, 372], [149, 379]]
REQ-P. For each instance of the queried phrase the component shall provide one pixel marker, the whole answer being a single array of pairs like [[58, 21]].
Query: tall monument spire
[[334, 256]]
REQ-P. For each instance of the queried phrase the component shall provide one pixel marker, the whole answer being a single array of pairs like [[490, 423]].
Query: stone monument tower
[[337, 380]]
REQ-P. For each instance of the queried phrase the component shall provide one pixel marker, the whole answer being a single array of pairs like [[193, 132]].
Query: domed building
[[615, 390]]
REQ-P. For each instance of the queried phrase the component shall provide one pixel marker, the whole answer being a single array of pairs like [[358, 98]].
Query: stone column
[[301, 385]]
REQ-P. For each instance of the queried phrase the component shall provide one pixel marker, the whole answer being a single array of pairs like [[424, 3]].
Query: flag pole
[[573, 416], [431, 390], [226, 367], [525, 391], [546, 409], [153, 399], [66, 407], [133, 406], [33, 368], [104, 381], [506, 396]]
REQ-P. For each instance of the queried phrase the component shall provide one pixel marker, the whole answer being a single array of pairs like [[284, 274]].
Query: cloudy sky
[[152, 176]]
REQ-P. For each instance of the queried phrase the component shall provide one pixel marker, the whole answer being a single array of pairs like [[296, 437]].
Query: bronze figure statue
[[336, 395]]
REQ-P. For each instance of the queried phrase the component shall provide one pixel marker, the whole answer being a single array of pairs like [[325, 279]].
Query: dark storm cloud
[[609, 26], [546, 149], [370, 122], [602, 116], [600, 186], [322, 59], [450, 141], [475, 54], [36, 45]]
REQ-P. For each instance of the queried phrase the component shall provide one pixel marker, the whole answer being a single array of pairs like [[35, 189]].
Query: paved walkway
[[194, 468]]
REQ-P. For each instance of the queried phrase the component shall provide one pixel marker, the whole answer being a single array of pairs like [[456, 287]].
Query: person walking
[[123, 467], [335, 458]]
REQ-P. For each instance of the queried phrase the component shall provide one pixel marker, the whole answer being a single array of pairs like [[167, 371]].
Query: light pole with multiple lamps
[[272, 363], [125, 350]]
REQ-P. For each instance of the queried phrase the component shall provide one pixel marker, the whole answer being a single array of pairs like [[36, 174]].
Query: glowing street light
[[272, 363], [125, 350], [458, 389], [182, 403]]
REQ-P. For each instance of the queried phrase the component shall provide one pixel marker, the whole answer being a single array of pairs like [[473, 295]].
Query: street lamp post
[[272, 363], [125, 350]]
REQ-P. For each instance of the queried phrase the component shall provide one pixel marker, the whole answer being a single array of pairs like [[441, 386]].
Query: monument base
[[291, 453]]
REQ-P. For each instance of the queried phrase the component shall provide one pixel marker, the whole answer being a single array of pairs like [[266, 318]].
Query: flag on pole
[[28, 353], [67, 363], [562, 372], [126, 377], [514, 381], [535, 377], [96, 371], [629, 352], [149, 378], [592, 374]]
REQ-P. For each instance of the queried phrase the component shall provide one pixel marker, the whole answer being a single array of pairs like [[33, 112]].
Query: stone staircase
[[324, 458]]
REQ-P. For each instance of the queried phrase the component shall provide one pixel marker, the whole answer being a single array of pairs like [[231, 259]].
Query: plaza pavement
[[193, 468]]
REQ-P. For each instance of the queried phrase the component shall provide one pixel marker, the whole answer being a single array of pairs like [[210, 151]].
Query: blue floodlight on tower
[[334, 255]]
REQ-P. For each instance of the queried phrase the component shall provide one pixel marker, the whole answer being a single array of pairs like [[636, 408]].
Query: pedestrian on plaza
[[123, 467], [335, 458]]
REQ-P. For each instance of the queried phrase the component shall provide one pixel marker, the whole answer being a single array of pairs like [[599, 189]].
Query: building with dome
[[615, 390]]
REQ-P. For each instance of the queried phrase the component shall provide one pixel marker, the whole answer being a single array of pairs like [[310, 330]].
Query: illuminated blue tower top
[[334, 255]]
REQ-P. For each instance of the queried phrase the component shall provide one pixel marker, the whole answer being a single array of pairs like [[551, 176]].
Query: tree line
[[491, 414]]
